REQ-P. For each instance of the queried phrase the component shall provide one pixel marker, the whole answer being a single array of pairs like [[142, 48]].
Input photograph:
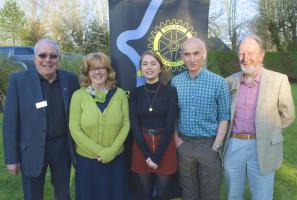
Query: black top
[[163, 115], [56, 116]]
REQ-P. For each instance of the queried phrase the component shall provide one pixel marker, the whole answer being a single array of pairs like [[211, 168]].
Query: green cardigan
[[96, 133]]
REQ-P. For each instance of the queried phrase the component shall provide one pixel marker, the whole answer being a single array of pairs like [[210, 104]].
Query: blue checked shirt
[[203, 102]]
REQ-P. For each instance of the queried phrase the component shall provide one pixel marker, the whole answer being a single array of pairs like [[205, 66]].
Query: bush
[[223, 63], [285, 63], [71, 62], [226, 63], [6, 68]]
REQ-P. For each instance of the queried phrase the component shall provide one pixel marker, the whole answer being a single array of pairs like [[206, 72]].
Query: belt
[[243, 136], [153, 131]]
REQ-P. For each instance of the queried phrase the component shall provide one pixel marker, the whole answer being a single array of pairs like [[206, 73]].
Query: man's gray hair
[[47, 41], [254, 37]]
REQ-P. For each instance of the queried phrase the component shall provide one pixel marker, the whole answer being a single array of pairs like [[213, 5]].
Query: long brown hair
[[165, 75]]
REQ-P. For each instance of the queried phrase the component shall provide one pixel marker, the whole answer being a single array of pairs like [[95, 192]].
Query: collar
[[203, 69], [152, 86]]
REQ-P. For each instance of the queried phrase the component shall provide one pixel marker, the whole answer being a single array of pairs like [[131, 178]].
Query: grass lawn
[[285, 181]]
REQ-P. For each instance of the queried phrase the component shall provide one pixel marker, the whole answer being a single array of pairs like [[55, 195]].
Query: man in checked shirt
[[204, 111]]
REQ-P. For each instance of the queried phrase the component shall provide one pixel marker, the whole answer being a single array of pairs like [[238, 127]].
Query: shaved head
[[195, 40], [193, 53]]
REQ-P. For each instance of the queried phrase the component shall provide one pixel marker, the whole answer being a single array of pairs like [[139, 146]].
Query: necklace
[[154, 97], [150, 91]]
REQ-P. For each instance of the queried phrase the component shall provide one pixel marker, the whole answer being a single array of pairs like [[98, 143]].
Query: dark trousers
[[57, 158], [199, 169]]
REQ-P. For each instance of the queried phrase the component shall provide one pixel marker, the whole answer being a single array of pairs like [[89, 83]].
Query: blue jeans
[[241, 161]]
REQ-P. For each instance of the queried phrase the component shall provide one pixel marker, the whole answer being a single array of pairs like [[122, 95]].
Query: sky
[[246, 6], [99, 1], [247, 9]]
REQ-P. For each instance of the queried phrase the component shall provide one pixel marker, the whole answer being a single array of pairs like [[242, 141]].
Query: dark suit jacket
[[24, 125]]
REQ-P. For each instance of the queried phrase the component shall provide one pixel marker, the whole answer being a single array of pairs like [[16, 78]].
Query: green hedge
[[223, 63], [71, 62], [226, 63], [6, 68], [285, 63]]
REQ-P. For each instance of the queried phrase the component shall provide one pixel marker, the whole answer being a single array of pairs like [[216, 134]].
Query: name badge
[[41, 104]]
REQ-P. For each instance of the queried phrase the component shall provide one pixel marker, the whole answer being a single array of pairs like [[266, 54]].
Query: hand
[[151, 164], [178, 140], [216, 147], [106, 155], [13, 169], [99, 159]]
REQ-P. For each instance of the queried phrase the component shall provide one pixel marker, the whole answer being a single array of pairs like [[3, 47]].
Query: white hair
[[46, 41], [254, 37]]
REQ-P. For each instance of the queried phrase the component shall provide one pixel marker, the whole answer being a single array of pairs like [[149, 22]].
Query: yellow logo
[[165, 40]]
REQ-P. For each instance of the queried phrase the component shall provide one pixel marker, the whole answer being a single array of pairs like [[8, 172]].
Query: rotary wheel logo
[[165, 40]]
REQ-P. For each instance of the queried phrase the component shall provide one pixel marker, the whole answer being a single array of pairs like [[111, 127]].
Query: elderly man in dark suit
[[35, 126]]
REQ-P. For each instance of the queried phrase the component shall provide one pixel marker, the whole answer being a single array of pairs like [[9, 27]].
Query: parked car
[[20, 55]]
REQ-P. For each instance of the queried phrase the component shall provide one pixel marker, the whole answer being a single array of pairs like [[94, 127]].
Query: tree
[[12, 23], [229, 20], [280, 17], [77, 26], [259, 26], [234, 24], [34, 31], [92, 39], [215, 13]]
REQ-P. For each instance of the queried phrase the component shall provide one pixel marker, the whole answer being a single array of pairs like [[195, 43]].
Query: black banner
[[159, 25]]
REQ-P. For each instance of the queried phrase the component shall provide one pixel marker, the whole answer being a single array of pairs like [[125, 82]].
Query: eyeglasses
[[51, 56], [95, 69]]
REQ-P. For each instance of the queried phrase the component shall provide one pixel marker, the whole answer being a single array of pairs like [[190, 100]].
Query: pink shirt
[[245, 111]]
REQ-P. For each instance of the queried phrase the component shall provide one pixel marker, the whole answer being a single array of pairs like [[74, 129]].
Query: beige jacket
[[275, 111]]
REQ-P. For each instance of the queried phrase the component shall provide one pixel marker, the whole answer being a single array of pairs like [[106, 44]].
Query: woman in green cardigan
[[99, 125]]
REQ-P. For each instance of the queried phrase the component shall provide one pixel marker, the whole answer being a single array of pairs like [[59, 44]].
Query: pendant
[[150, 109]]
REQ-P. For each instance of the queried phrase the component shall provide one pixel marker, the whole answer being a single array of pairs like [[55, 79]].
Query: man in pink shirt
[[262, 105]]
